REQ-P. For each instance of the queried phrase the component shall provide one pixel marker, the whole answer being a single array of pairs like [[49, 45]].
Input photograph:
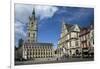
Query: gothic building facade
[[69, 42], [31, 48], [76, 41]]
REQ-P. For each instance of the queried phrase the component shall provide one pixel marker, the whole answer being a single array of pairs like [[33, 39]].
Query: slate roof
[[69, 27]]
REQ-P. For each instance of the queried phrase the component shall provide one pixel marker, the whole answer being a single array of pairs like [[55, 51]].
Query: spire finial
[[33, 13]]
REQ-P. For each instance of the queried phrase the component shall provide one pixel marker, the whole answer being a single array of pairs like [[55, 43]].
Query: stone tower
[[32, 28]]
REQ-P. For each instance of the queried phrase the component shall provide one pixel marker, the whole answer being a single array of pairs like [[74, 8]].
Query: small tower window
[[32, 24]]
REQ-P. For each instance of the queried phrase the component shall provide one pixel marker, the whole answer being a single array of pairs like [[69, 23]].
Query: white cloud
[[19, 32], [19, 29], [22, 13], [45, 11]]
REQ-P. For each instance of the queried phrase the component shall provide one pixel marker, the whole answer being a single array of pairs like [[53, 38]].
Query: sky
[[49, 19]]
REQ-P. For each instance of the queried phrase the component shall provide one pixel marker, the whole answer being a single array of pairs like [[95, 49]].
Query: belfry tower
[[32, 28]]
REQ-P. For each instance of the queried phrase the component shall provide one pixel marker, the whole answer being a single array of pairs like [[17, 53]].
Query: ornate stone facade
[[69, 40], [37, 50], [31, 48]]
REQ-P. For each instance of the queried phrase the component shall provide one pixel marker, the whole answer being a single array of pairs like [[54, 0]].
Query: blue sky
[[50, 20]]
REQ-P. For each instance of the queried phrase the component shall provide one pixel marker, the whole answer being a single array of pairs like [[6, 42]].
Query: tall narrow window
[[76, 43], [32, 24], [33, 35]]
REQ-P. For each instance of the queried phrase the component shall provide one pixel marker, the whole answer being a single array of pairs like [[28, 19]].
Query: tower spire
[[32, 28], [33, 13]]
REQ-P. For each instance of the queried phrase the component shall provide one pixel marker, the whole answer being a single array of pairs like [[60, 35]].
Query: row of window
[[38, 47], [38, 50], [31, 35], [38, 53], [73, 43], [69, 36], [87, 36], [38, 56]]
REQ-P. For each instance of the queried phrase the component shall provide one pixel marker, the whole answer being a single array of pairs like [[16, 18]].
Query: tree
[[15, 47], [20, 43]]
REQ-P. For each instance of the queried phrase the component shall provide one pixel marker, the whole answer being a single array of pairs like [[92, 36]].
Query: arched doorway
[[77, 52]]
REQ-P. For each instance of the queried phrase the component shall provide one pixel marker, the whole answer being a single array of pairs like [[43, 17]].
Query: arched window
[[32, 24], [77, 52], [33, 35]]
